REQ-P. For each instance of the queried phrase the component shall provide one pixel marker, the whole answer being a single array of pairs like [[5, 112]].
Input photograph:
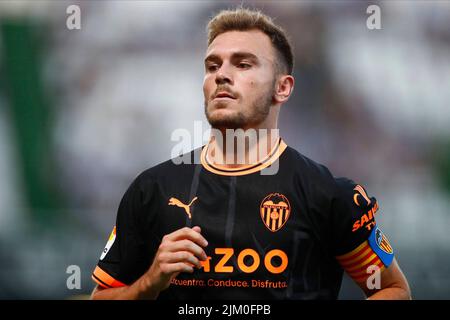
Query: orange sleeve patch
[[104, 280]]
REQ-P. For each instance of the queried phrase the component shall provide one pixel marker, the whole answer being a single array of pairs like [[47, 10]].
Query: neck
[[242, 147]]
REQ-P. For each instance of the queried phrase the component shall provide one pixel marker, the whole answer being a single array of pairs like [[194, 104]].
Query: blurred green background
[[82, 112]]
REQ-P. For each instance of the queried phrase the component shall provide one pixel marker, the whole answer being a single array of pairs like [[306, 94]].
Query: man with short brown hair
[[219, 229]]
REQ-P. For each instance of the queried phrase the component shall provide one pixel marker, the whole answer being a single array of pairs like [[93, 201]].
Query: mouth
[[224, 95]]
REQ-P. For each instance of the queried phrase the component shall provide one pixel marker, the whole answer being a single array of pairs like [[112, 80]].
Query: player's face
[[239, 79]]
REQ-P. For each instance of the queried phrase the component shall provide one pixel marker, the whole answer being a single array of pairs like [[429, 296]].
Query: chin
[[218, 111], [222, 120], [221, 115], [222, 112]]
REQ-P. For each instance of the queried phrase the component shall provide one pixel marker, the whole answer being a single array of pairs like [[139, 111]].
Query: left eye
[[244, 65]]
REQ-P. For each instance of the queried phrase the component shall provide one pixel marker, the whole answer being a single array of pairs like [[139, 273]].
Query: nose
[[223, 76]]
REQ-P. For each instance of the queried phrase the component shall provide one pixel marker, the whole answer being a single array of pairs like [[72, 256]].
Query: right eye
[[212, 67]]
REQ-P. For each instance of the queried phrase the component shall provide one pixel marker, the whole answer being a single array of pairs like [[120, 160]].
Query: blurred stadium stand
[[82, 112]]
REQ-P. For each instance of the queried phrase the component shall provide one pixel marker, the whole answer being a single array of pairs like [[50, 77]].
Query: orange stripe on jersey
[[368, 254], [364, 277], [375, 262], [99, 282], [353, 253], [362, 262], [361, 252], [357, 262], [274, 154], [105, 280], [363, 269]]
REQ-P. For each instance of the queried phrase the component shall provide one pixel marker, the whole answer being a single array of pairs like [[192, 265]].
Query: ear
[[283, 88]]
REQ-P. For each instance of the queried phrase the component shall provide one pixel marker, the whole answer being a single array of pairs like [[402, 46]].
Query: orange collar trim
[[274, 154]]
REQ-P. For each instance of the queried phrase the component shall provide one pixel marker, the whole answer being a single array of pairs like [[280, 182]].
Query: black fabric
[[229, 211]]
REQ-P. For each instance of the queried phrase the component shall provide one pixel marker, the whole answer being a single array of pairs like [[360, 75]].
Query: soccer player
[[281, 227]]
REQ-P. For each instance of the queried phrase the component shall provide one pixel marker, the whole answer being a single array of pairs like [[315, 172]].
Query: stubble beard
[[259, 110]]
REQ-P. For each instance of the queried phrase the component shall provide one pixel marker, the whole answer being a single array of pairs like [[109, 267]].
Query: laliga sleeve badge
[[109, 244], [380, 244]]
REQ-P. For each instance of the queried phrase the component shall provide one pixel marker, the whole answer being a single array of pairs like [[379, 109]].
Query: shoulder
[[319, 172], [344, 185], [308, 169], [175, 168], [354, 192], [168, 174], [318, 179]]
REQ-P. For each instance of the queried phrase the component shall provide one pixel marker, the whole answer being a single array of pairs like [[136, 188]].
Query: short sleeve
[[357, 240], [121, 261]]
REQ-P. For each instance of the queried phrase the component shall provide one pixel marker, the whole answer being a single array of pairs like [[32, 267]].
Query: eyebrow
[[234, 56]]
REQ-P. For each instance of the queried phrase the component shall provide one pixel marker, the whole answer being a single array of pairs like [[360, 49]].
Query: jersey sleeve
[[360, 247], [121, 261]]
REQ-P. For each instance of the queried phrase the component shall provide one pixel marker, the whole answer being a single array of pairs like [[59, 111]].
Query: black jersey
[[288, 235]]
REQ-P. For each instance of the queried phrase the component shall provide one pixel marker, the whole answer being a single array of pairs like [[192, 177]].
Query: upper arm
[[123, 259], [391, 277], [360, 246]]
